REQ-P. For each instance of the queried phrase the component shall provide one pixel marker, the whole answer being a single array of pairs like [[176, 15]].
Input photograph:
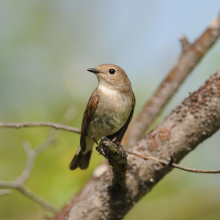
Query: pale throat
[[107, 91]]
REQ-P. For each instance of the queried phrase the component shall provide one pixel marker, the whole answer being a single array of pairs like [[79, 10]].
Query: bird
[[108, 112]]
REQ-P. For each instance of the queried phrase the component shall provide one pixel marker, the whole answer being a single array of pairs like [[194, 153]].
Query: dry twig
[[184, 42], [40, 124], [18, 184], [171, 164], [32, 154], [4, 192]]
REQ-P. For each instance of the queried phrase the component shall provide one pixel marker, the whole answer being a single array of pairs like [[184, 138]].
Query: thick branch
[[190, 57], [40, 124], [193, 121]]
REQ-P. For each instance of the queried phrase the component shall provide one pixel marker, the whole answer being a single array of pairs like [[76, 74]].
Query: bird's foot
[[94, 139]]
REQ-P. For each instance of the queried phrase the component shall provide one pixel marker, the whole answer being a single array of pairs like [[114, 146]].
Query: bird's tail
[[80, 160]]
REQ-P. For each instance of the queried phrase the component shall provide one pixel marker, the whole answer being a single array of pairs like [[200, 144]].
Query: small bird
[[108, 112]]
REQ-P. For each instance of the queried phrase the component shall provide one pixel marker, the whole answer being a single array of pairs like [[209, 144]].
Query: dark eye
[[111, 71]]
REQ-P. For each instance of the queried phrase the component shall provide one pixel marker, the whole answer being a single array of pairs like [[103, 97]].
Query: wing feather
[[90, 108]]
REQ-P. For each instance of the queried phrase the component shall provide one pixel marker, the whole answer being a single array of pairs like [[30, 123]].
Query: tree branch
[[18, 184], [4, 192], [40, 124], [193, 121], [32, 154], [27, 192], [184, 42], [190, 57], [117, 157], [174, 165]]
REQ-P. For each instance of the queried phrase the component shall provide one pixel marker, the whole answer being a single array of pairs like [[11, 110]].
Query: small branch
[[27, 192], [40, 124], [184, 42], [4, 192], [118, 160], [37, 199], [186, 63], [171, 164], [32, 154], [18, 184]]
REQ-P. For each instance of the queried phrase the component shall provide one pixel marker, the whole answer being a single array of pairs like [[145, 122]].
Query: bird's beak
[[93, 70]]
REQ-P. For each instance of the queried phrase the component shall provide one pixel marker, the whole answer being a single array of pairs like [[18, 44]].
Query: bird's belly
[[106, 125], [109, 118]]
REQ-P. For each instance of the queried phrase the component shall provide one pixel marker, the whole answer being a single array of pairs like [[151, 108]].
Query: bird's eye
[[111, 71]]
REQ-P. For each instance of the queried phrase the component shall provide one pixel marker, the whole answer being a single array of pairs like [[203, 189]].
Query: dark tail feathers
[[80, 160]]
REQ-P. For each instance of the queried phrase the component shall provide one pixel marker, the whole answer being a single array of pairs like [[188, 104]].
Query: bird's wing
[[120, 133], [90, 108]]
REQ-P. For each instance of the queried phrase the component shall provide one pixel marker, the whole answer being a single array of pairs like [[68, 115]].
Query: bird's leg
[[94, 139]]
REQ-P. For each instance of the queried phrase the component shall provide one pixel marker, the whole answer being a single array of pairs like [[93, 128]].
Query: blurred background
[[45, 49]]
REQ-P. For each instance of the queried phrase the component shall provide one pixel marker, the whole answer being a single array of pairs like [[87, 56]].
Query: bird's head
[[111, 76]]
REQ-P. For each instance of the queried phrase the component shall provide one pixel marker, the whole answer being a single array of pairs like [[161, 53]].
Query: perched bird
[[108, 112]]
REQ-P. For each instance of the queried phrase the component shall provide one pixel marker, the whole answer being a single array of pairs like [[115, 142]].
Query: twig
[[117, 157], [40, 124], [27, 192], [184, 42], [186, 63], [171, 164], [4, 192], [18, 184], [32, 154]]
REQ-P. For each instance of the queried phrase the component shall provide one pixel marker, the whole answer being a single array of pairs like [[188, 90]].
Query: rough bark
[[117, 158], [193, 121], [189, 58]]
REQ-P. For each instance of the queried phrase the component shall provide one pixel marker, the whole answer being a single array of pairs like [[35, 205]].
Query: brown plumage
[[108, 112]]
